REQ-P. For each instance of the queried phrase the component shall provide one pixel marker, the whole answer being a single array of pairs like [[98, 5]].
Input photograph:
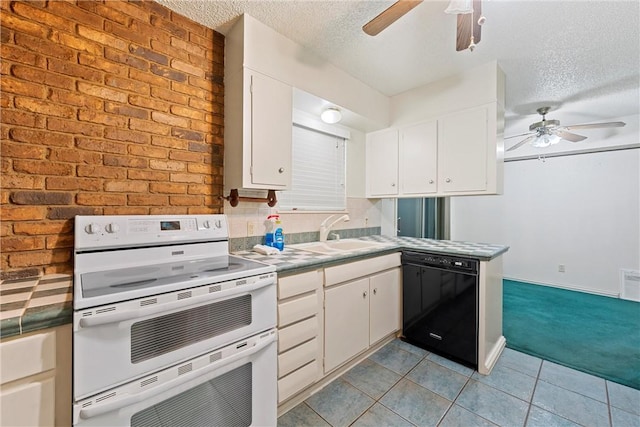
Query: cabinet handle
[[430, 181], [375, 291], [393, 184], [281, 170], [448, 180], [364, 294]]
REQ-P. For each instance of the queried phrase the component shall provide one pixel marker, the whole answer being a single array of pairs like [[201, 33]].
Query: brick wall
[[107, 108]]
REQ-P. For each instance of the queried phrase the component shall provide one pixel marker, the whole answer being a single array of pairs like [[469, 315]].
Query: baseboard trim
[[565, 287]]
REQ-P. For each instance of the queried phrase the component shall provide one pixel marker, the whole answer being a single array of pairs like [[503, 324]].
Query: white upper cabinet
[[418, 153], [455, 154], [382, 163], [258, 132]]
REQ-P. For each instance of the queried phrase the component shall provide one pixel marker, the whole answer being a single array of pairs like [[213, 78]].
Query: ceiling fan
[[548, 132], [465, 39]]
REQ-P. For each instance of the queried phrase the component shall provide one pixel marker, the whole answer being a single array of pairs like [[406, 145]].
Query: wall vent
[[630, 284]]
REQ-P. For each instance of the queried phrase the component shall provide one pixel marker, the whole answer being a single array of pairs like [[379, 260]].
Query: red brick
[[187, 134], [22, 151], [127, 84], [185, 156], [163, 187], [130, 9], [125, 161], [191, 48], [43, 77], [126, 33], [69, 9], [146, 151], [70, 212], [169, 26], [156, 8], [77, 100], [201, 189], [22, 181], [104, 11], [101, 172], [102, 38], [100, 63], [145, 175], [42, 167], [169, 95], [169, 119], [169, 142], [74, 70], [125, 110], [126, 59], [179, 65], [34, 136], [40, 198], [23, 213], [186, 200], [148, 126], [105, 119], [152, 104], [199, 168], [76, 43], [12, 53], [167, 165], [74, 127], [59, 242], [167, 49], [43, 46], [126, 136], [44, 107], [100, 145], [100, 199], [202, 127], [18, 24], [15, 244], [146, 200], [125, 210], [126, 186], [21, 118], [186, 177], [168, 73], [73, 183], [169, 210], [187, 112], [102, 92], [74, 156], [42, 228], [21, 87], [149, 55], [33, 258], [188, 89]]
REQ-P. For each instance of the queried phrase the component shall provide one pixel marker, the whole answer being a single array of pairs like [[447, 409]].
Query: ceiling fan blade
[[522, 134], [596, 125], [523, 142], [568, 136], [389, 16], [465, 23]]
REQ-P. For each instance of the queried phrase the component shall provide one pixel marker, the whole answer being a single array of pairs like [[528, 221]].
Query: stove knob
[[112, 228], [93, 228], [218, 223], [206, 224]]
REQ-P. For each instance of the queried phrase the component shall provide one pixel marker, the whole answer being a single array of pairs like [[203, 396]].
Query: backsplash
[[246, 223]]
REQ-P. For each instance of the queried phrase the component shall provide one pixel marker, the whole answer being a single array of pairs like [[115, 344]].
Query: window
[[318, 172]]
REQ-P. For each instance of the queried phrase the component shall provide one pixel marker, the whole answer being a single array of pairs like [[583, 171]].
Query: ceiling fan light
[[459, 7], [545, 140], [331, 115]]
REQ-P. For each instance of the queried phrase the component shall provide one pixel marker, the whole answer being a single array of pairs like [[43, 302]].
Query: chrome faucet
[[324, 228]]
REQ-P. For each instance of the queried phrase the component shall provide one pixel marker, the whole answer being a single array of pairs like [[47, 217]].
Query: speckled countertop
[[35, 303], [293, 260], [31, 304]]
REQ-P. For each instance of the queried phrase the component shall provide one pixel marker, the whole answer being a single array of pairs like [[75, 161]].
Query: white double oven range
[[169, 329]]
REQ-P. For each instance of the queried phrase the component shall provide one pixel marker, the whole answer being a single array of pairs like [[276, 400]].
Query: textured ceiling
[[582, 58]]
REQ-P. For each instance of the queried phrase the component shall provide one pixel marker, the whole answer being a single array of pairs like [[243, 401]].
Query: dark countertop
[[293, 260], [36, 303]]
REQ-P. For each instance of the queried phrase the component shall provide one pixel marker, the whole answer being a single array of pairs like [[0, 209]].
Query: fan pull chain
[[472, 44]]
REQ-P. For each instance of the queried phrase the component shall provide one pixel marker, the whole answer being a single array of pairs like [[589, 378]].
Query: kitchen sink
[[336, 246]]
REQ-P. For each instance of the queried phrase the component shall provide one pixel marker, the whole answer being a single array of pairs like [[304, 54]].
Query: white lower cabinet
[[299, 332], [360, 312], [35, 378]]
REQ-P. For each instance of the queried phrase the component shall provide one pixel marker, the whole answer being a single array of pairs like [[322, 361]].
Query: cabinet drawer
[[293, 335], [366, 267], [299, 284], [31, 404], [297, 357], [25, 356], [297, 380], [292, 311]]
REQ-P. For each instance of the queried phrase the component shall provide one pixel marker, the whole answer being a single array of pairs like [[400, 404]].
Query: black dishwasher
[[440, 305]]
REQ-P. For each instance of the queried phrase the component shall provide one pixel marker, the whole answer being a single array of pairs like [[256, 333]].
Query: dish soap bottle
[[278, 235], [270, 225]]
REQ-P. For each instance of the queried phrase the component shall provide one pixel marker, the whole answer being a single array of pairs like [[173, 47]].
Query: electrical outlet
[[251, 228], [561, 268]]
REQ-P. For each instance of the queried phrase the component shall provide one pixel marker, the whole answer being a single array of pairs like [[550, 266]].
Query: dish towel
[[265, 250]]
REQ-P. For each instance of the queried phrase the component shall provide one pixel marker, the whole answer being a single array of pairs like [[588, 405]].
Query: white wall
[[582, 211]]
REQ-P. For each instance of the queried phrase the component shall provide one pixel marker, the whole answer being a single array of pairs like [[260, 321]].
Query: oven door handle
[[131, 399], [87, 322]]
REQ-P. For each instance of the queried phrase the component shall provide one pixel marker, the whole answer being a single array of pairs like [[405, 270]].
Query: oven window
[[159, 335], [222, 401]]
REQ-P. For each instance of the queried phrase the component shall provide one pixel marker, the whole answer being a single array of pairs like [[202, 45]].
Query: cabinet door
[[382, 163], [271, 132], [418, 158], [384, 304], [462, 151], [346, 330]]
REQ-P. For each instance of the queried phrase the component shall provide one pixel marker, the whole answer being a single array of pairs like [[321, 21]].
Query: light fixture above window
[[331, 115]]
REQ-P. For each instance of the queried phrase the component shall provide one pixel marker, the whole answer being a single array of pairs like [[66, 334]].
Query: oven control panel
[[95, 232]]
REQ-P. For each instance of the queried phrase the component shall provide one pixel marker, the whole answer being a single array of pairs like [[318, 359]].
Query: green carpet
[[591, 333]]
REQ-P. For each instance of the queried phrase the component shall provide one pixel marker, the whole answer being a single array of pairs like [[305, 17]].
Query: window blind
[[318, 172]]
